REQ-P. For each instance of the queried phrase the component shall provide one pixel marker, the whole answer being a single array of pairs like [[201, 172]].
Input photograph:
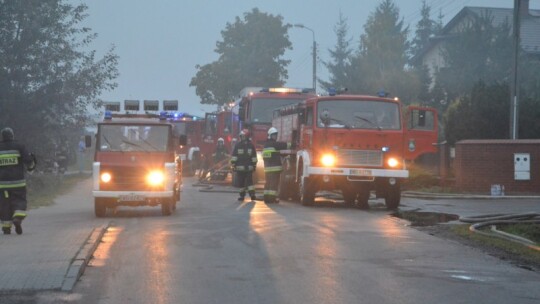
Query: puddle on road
[[421, 219]]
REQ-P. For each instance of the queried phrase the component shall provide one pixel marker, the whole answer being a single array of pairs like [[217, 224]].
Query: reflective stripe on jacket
[[271, 155], [13, 158], [244, 156]]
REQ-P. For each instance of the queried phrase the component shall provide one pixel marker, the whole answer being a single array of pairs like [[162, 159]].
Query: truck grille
[[372, 158], [127, 179]]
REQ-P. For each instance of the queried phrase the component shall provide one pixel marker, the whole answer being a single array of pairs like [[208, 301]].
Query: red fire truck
[[255, 108], [135, 163], [256, 105], [352, 143], [191, 127]]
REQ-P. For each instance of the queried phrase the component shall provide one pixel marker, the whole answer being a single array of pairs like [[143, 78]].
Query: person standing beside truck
[[272, 165], [244, 162]]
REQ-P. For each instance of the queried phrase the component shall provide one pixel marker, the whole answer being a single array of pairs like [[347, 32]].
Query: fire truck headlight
[[106, 177], [392, 162], [155, 178], [328, 160]]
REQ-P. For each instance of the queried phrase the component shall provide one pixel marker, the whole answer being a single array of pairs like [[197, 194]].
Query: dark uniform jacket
[[13, 157], [271, 155], [244, 156], [220, 154]]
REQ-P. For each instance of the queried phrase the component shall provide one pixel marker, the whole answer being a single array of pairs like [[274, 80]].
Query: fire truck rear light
[[106, 177]]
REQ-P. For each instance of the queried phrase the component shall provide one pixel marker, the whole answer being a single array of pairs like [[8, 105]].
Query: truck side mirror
[[88, 141], [182, 140], [422, 118], [302, 117]]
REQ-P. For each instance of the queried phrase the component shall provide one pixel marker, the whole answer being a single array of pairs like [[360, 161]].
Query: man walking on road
[[272, 165], [13, 158], [244, 162], [81, 148]]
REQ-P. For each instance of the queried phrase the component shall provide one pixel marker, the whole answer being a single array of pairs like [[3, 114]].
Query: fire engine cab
[[352, 143], [135, 162]]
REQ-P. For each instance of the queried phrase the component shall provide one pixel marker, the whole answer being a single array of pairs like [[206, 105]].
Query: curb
[[82, 258], [427, 195]]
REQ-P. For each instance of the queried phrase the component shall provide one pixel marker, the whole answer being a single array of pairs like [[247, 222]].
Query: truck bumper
[[358, 172], [137, 194]]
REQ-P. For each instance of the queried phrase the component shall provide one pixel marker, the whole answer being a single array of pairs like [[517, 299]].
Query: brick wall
[[478, 164]]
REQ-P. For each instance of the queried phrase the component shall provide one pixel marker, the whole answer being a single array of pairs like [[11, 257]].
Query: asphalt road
[[216, 250]]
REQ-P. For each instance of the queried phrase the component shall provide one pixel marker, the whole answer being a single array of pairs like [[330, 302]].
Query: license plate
[[131, 198], [361, 172]]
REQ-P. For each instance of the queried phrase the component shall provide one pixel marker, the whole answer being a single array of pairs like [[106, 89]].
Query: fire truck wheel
[[100, 207], [166, 207], [190, 169], [307, 192], [286, 189], [349, 195], [392, 197], [363, 198], [177, 195]]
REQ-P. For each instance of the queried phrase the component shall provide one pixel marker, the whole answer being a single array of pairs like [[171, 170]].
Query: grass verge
[[507, 249], [44, 188]]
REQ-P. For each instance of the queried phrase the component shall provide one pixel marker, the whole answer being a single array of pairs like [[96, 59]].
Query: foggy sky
[[160, 41]]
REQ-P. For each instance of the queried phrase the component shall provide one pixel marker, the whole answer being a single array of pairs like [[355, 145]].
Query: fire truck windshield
[[262, 109], [123, 138], [358, 114]]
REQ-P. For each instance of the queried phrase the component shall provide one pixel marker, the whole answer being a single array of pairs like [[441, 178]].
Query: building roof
[[530, 27]]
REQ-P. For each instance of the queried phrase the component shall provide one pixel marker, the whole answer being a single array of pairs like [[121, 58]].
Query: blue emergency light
[[332, 91], [108, 115], [382, 93], [162, 115]]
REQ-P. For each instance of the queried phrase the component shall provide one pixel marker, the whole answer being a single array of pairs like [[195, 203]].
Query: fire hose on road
[[504, 219]]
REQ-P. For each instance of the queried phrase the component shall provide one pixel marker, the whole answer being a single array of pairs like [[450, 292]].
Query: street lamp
[[314, 54]]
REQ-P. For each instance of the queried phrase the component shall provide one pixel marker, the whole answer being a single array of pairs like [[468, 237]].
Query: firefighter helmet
[[271, 131], [221, 140], [7, 134]]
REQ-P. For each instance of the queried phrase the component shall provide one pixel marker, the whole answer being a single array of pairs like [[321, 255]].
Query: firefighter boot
[[241, 196], [17, 223]]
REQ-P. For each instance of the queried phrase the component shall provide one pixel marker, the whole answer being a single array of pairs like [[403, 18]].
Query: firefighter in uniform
[[272, 165], [13, 158], [221, 151], [244, 162], [220, 156]]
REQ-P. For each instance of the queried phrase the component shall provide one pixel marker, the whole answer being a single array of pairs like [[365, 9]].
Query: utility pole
[[314, 55], [514, 86]]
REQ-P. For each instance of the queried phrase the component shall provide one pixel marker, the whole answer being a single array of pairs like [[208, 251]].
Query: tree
[[249, 55], [480, 51], [47, 80], [340, 57], [425, 29], [473, 116], [380, 62]]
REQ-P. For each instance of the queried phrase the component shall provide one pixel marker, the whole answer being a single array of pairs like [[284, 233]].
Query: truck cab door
[[421, 131], [306, 127]]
